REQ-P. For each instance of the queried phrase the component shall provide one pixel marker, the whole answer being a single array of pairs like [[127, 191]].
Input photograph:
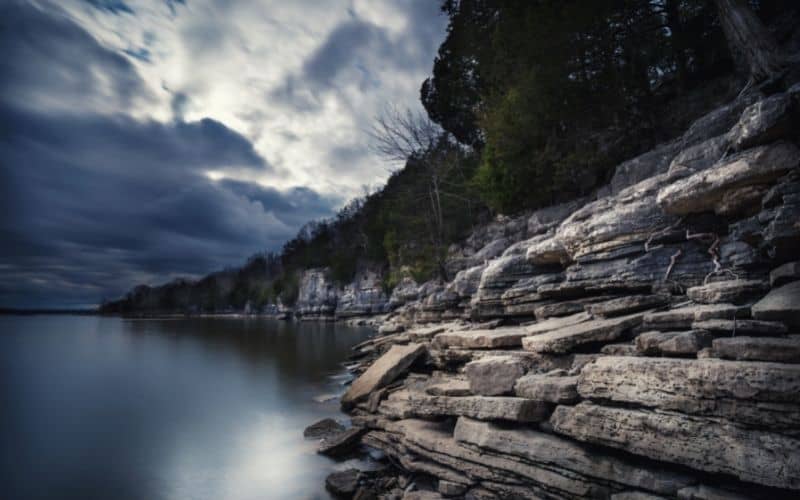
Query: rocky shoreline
[[640, 344]]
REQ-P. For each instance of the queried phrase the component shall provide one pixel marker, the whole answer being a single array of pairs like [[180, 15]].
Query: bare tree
[[749, 38], [400, 135]]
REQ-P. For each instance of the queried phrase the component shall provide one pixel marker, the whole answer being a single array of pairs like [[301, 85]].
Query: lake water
[[108, 408]]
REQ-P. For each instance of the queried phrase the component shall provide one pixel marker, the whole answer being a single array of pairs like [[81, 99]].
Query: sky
[[146, 140]]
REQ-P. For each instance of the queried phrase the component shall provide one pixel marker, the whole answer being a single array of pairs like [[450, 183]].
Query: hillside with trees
[[529, 103]]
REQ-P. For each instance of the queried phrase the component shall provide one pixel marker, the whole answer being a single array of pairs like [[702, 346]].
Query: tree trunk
[[750, 39]]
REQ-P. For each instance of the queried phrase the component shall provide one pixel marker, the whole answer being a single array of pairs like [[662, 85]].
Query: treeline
[[530, 103]]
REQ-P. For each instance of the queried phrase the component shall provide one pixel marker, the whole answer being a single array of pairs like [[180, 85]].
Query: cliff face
[[319, 298], [641, 344]]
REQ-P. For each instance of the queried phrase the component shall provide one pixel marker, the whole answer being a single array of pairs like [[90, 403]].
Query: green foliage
[[550, 88]]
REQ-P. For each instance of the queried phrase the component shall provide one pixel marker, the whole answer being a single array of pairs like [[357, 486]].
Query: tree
[[750, 39], [406, 136]]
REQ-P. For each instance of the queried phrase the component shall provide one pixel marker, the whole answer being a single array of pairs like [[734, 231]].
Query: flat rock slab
[[454, 387], [733, 291], [780, 304], [551, 389], [703, 191], [698, 443], [741, 327], [493, 375], [785, 274], [556, 323], [626, 305], [481, 339], [341, 443], [322, 429], [781, 350], [554, 452], [383, 371], [422, 334], [648, 343], [753, 393], [566, 339], [681, 318], [479, 407]]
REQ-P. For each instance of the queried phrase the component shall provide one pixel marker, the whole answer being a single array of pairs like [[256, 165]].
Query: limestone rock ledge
[[642, 343]]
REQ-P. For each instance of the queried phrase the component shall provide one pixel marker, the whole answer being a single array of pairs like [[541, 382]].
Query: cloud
[[51, 63], [142, 141]]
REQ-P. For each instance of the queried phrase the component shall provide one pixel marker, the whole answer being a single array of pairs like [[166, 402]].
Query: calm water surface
[[94, 407]]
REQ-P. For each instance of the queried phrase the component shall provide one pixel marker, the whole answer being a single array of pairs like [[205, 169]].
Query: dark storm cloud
[[49, 62], [94, 201]]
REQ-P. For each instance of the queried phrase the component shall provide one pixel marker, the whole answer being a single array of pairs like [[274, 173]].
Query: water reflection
[[202, 408]]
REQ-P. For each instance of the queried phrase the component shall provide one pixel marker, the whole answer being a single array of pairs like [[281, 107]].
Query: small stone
[[758, 349], [735, 291], [323, 429], [781, 304], [741, 327], [341, 443], [493, 375], [541, 387], [342, 484]]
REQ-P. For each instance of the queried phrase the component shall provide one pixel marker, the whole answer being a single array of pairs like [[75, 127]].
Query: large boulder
[[383, 371], [780, 304]]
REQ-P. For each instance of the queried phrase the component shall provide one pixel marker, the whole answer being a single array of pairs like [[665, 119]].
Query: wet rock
[[494, 375], [323, 429], [741, 327], [552, 389], [383, 371], [341, 443], [626, 305], [481, 339], [703, 444], [753, 393], [701, 192], [566, 339], [733, 291], [342, 484], [785, 274], [783, 350], [780, 304]]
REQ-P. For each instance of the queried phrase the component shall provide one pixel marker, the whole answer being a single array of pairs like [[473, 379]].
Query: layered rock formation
[[641, 344]]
